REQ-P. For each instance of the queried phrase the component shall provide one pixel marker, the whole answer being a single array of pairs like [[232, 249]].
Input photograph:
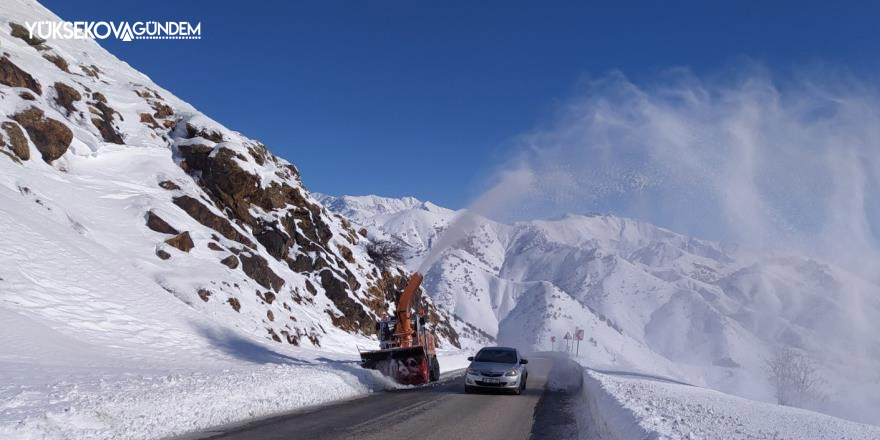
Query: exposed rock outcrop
[[300, 236], [18, 143], [222, 177], [205, 216], [181, 241], [66, 96], [169, 185], [51, 137], [263, 225], [353, 317], [12, 76], [204, 133], [257, 268], [277, 243], [157, 224], [161, 110], [58, 61], [21, 32], [259, 152], [91, 70], [147, 119], [102, 119], [230, 262], [234, 303]]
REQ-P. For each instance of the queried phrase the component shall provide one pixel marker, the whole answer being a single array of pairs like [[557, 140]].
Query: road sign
[[568, 336], [552, 338], [579, 334]]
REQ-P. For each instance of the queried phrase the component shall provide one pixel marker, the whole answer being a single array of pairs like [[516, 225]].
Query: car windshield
[[499, 356]]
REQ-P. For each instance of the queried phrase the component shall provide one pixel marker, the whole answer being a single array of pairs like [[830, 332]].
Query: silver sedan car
[[496, 368]]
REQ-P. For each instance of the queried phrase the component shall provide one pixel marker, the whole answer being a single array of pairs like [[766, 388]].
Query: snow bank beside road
[[145, 405], [452, 360], [54, 386], [626, 407]]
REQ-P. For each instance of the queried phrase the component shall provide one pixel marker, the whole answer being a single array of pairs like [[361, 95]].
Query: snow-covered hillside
[[161, 273], [148, 251], [200, 211], [619, 406], [649, 299]]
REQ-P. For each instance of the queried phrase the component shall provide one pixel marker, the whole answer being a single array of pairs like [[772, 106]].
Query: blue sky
[[425, 98]]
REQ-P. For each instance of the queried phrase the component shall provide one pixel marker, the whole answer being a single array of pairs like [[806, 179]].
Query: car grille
[[486, 384], [491, 374]]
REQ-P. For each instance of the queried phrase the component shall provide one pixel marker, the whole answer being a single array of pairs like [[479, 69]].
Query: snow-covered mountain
[[649, 299], [198, 211], [160, 272], [146, 247], [153, 260]]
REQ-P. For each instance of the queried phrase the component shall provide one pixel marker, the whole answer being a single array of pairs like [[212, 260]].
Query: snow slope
[[650, 300], [617, 406], [125, 360], [159, 272]]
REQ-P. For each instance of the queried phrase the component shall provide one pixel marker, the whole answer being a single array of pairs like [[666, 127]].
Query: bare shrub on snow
[[385, 253], [795, 378]]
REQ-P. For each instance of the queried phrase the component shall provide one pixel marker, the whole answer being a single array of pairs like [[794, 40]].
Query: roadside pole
[[552, 343], [579, 335]]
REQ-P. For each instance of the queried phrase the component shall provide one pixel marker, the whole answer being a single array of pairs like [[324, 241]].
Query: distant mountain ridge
[[674, 304]]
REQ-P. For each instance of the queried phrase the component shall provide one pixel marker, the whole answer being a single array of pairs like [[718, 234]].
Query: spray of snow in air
[[781, 166], [510, 186], [774, 167]]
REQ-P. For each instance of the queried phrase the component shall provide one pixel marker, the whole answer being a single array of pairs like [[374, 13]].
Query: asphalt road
[[440, 411]]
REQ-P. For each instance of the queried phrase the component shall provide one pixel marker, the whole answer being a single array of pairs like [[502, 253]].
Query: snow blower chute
[[407, 353]]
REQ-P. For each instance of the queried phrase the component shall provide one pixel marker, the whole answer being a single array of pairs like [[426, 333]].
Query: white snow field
[[94, 349], [109, 331], [624, 405], [649, 299], [617, 406], [115, 327]]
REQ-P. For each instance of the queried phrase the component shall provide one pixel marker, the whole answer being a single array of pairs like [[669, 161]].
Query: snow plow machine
[[407, 347]]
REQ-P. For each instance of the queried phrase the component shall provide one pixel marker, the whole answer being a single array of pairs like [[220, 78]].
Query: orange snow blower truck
[[407, 351]]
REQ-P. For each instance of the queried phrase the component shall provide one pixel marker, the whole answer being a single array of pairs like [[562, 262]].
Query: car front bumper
[[503, 382]]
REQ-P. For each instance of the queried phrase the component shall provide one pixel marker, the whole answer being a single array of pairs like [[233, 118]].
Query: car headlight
[[512, 373], [473, 371]]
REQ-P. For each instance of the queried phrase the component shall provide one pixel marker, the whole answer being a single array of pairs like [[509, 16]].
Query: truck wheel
[[435, 369]]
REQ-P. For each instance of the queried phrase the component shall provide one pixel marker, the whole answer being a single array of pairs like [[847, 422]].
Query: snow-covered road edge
[[600, 415], [144, 405], [618, 405], [597, 412]]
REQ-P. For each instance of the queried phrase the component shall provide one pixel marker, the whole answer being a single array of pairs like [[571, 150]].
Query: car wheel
[[517, 391]]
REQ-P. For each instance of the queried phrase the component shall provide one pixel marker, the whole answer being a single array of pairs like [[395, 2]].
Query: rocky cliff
[[213, 217]]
